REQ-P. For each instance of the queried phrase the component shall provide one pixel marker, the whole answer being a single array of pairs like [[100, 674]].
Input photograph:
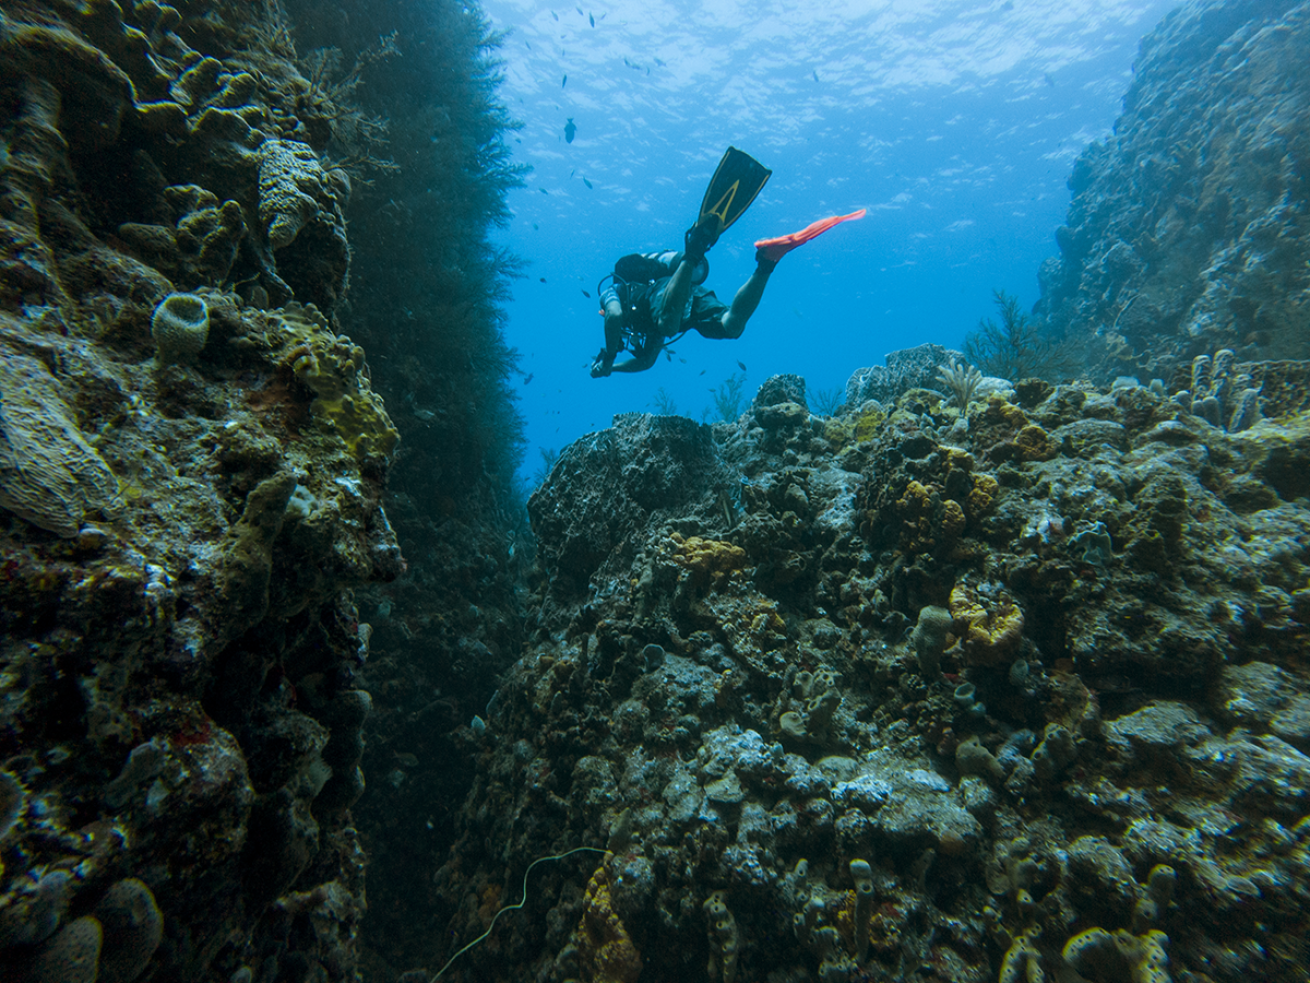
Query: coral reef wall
[[1189, 230], [193, 464]]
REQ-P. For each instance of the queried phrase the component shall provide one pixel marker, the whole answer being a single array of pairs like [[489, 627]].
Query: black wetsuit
[[641, 292]]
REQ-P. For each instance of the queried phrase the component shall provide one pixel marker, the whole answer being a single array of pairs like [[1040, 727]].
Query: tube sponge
[[724, 940], [133, 928], [862, 874], [929, 638], [180, 327], [1023, 961]]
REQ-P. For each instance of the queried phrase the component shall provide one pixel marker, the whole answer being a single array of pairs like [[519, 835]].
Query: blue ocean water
[[954, 122]]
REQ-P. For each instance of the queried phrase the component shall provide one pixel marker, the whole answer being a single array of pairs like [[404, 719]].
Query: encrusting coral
[[605, 948], [49, 474]]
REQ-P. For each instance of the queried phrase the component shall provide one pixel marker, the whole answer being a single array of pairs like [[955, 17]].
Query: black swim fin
[[737, 180]]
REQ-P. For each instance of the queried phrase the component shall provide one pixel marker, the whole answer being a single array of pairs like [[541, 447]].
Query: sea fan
[[961, 380]]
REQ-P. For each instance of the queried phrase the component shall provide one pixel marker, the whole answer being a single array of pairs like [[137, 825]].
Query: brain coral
[[49, 474]]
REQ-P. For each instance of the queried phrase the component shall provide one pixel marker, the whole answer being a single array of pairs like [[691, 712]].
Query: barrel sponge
[[133, 928], [180, 327], [49, 474], [71, 956]]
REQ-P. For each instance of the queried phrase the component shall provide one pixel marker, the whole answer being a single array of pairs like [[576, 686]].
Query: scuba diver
[[653, 299]]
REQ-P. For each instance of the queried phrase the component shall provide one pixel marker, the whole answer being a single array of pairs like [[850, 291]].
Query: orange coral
[[929, 521], [1034, 444], [982, 496], [994, 629], [708, 559], [608, 955]]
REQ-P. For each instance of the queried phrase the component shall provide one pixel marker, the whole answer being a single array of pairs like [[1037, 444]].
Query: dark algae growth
[[993, 667]]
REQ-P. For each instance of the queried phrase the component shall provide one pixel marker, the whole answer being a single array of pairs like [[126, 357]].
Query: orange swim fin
[[774, 249]]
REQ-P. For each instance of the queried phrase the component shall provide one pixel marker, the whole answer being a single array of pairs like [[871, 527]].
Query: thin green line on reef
[[558, 856]]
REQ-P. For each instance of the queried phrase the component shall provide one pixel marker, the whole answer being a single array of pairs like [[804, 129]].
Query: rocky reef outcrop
[[1010, 690], [1189, 231]]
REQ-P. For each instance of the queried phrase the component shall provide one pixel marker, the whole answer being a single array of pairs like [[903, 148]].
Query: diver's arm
[[642, 359], [613, 326]]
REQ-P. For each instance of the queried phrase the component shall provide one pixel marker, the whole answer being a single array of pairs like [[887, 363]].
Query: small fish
[[626, 62], [816, 76], [544, 191], [660, 62], [592, 19], [570, 130], [585, 294], [564, 82], [534, 226], [702, 371], [586, 182], [542, 279], [555, 15], [579, 10], [528, 378], [742, 366], [571, 173], [682, 360]]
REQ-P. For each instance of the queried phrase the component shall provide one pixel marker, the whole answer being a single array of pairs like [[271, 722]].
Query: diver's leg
[[747, 299], [674, 301]]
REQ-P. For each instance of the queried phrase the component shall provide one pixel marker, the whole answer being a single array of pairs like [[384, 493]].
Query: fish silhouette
[[528, 378], [742, 366], [555, 15], [564, 82], [592, 19], [570, 130], [585, 294], [586, 182], [542, 279]]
